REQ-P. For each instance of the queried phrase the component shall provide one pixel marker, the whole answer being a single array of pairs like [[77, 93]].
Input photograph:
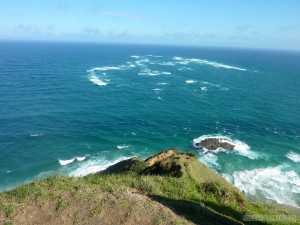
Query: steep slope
[[167, 188]]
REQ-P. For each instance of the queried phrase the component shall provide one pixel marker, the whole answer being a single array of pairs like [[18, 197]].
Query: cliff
[[167, 188]]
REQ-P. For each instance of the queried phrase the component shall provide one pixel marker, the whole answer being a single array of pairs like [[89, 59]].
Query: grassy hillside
[[168, 188]]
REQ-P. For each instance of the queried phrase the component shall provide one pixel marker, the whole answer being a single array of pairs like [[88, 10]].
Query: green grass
[[197, 195]]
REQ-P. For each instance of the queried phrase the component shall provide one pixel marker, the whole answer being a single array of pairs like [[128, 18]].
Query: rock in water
[[215, 143]]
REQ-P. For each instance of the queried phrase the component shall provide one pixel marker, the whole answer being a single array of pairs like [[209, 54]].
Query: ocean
[[76, 108]]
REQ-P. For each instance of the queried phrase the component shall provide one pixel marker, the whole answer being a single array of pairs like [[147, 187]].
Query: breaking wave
[[240, 147], [94, 79], [68, 161], [190, 81], [280, 184], [293, 156], [185, 61], [123, 146], [94, 165]]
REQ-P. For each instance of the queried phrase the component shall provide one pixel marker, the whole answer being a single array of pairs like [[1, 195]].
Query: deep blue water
[[90, 105]]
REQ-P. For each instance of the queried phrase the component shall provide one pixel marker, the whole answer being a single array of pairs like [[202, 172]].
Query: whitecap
[[94, 79], [156, 56], [293, 156], [217, 65], [184, 68], [65, 162], [94, 165], [166, 64], [148, 72], [240, 147], [177, 58], [279, 184], [203, 88], [123, 146], [166, 73], [80, 158], [209, 159], [105, 68], [157, 89], [185, 61], [36, 135], [154, 73], [162, 83], [135, 56], [190, 81]]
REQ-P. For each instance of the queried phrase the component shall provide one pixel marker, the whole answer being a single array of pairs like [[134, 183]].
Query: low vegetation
[[165, 189]]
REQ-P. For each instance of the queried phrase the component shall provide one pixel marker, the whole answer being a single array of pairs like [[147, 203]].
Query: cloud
[[91, 30], [243, 28], [290, 27], [192, 34], [121, 15], [27, 29], [206, 35]]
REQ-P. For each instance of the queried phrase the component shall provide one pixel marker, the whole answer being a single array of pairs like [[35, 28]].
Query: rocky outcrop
[[215, 143], [159, 157], [168, 162]]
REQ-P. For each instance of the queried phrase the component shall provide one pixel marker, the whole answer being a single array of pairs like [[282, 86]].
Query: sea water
[[76, 108]]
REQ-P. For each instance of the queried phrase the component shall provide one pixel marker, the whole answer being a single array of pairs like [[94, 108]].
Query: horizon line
[[152, 44]]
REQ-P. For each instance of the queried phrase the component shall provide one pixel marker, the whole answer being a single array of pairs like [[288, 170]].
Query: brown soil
[[126, 207], [159, 157]]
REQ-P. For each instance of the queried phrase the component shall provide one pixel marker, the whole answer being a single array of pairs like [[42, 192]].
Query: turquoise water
[[74, 109]]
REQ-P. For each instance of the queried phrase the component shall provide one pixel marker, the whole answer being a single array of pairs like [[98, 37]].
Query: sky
[[272, 24]]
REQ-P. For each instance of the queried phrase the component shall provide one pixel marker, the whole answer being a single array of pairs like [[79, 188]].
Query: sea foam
[[36, 135], [240, 148], [123, 146], [106, 68], [94, 79], [279, 184], [293, 156], [65, 162], [68, 161], [186, 61], [190, 81], [94, 165]]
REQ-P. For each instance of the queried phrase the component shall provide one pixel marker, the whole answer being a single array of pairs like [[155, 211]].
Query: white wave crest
[[106, 68], [293, 156], [148, 72], [190, 81], [166, 73], [94, 79], [68, 161], [123, 146], [93, 166], [240, 147], [177, 58], [36, 135], [80, 158], [185, 61], [135, 56], [273, 183], [203, 88], [65, 162], [209, 159], [162, 83], [156, 56], [166, 64]]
